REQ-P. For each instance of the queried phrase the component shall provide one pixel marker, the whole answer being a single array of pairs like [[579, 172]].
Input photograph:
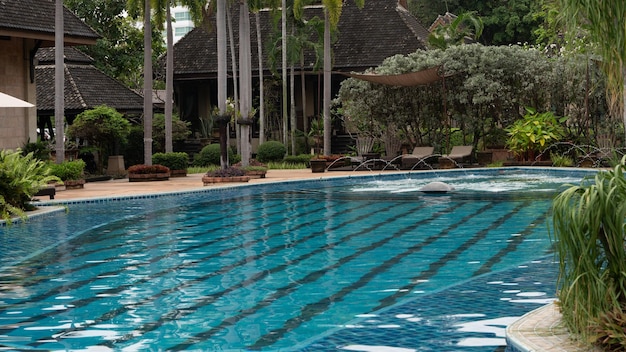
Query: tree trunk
[[261, 93], [292, 94], [169, 81], [147, 86], [222, 83], [284, 68], [59, 82], [327, 87], [245, 77], [233, 60]]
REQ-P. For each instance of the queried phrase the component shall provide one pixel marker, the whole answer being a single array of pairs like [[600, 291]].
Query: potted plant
[[142, 173], [72, 173], [316, 132], [229, 174], [533, 133], [177, 162], [255, 169]]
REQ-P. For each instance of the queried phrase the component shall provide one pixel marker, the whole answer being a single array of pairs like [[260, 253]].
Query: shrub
[[174, 161], [40, 149], [298, 159], [148, 169], [534, 132], [227, 172], [210, 155], [271, 151], [68, 170], [20, 178]]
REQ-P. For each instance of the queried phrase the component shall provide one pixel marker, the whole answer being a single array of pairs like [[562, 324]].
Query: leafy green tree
[[466, 27], [102, 127], [119, 52], [506, 21]]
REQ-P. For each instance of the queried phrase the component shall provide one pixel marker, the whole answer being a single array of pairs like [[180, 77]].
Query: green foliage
[[119, 53], [68, 170], [588, 233], [210, 155], [298, 159], [282, 165], [20, 178], [180, 131], [466, 25], [227, 172], [561, 160], [271, 151], [534, 132], [174, 161], [102, 127], [40, 149]]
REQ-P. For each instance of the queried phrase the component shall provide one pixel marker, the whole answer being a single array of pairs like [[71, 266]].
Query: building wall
[[182, 23], [17, 125]]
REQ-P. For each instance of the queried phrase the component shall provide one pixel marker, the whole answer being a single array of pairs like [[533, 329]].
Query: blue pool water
[[350, 264]]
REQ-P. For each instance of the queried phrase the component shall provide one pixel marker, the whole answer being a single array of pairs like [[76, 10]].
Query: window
[[181, 31], [182, 16]]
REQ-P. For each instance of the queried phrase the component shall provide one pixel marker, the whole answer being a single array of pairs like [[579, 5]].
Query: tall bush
[[210, 155]]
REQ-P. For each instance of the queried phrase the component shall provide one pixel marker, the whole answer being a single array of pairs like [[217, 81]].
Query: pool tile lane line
[[328, 174]]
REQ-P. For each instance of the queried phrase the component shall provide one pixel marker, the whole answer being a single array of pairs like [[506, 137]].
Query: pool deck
[[539, 330]]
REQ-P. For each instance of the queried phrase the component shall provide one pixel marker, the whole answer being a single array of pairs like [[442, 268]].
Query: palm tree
[[134, 8], [59, 82], [332, 12], [603, 22], [195, 9]]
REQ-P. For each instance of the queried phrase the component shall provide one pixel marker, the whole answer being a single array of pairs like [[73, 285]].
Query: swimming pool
[[326, 265]]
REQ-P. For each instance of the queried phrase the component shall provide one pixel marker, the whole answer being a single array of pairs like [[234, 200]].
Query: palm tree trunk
[[292, 94], [245, 79], [222, 83], [327, 77], [169, 81], [261, 92], [147, 85], [284, 67], [233, 58], [59, 82]]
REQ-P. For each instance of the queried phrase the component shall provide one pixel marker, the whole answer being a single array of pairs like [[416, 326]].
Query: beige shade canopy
[[423, 77], [8, 101]]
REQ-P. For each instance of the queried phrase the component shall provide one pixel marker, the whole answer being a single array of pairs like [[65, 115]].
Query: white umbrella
[[7, 101]]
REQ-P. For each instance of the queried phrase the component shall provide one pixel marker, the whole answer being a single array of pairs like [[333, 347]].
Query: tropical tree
[[602, 22], [134, 8], [195, 9], [467, 27], [332, 13], [119, 51]]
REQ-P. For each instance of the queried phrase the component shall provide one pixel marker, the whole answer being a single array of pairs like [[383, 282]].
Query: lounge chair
[[418, 154], [458, 154]]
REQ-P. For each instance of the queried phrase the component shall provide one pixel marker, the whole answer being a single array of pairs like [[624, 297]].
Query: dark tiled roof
[[85, 87], [45, 56], [35, 19], [366, 37]]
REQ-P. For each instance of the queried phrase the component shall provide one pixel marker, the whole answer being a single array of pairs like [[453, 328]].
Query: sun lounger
[[458, 154], [46, 191], [418, 154]]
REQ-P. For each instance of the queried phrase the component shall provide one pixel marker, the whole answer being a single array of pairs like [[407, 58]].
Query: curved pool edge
[[41, 210], [541, 330]]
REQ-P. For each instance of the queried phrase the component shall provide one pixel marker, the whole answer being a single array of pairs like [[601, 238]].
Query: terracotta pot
[[210, 179], [148, 177]]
